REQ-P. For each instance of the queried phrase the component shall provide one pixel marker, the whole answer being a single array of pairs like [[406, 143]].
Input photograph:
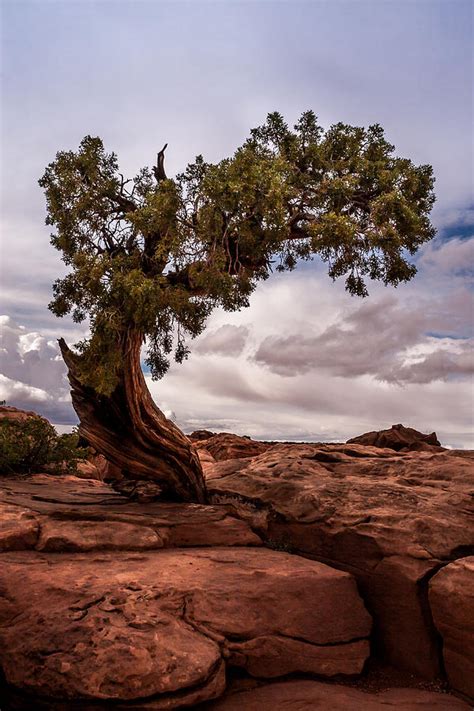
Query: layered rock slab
[[64, 513], [452, 606], [301, 695], [159, 627], [390, 518]]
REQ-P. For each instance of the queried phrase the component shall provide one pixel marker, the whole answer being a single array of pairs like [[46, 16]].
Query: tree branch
[[124, 203], [183, 278], [159, 169]]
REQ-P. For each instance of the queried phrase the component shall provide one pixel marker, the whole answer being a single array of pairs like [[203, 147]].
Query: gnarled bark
[[131, 432]]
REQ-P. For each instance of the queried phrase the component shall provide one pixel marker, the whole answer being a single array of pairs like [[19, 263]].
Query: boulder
[[398, 438], [205, 457], [452, 606], [88, 469], [305, 695], [198, 435], [389, 518], [225, 446], [156, 629], [96, 466]]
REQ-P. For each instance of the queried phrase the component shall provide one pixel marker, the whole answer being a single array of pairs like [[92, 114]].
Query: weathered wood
[[130, 430]]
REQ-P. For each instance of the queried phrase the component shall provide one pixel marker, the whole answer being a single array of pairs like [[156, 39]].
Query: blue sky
[[199, 75]]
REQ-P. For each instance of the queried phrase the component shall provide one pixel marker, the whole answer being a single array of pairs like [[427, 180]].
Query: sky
[[306, 361]]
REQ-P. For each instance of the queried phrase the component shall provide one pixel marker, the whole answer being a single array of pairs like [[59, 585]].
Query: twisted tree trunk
[[131, 432]]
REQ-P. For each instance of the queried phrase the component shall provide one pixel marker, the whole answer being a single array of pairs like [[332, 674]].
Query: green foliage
[[31, 444], [66, 453], [156, 256]]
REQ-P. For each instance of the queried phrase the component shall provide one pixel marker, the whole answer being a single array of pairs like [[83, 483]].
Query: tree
[[152, 256]]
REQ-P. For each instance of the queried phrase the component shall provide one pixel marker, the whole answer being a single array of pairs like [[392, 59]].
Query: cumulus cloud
[[376, 340], [441, 364], [227, 340], [455, 256], [32, 373]]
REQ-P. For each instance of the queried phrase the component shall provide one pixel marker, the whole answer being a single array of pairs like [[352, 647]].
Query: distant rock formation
[[200, 434], [13, 413], [399, 438], [230, 446]]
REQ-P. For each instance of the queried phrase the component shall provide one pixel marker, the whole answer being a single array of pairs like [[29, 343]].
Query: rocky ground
[[319, 577]]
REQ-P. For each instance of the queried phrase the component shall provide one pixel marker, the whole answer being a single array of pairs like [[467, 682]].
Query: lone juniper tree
[[152, 256]]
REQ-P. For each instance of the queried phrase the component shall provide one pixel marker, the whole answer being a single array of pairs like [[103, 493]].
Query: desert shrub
[[66, 453], [32, 444]]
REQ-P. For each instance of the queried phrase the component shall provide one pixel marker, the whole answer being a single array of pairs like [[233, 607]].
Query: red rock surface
[[101, 600], [132, 626], [200, 434], [303, 695], [205, 458], [89, 469], [224, 446], [389, 518], [108, 601], [452, 605], [399, 438], [64, 513], [13, 413]]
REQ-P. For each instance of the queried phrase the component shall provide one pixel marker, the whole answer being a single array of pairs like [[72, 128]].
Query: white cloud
[[32, 372], [226, 340], [376, 339], [451, 257], [20, 392]]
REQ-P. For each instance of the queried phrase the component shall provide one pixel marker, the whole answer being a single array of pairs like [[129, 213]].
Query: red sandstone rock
[[64, 513], [452, 605], [87, 469], [96, 535], [197, 435], [19, 528], [270, 656], [206, 458], [389, 518], [398, 438], [13, 413], [224, 446], [301, 695], [158, 625]]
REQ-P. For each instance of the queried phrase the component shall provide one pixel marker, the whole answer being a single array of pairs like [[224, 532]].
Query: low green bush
[[32, 444]]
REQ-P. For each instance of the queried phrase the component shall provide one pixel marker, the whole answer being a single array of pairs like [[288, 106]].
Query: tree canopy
[[155, 255]]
